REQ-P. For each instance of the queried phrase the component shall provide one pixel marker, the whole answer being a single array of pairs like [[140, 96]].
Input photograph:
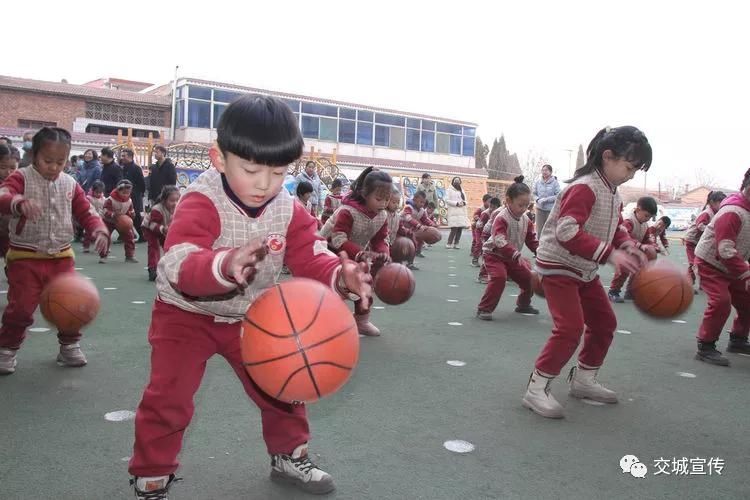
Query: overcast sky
[[546, 74]]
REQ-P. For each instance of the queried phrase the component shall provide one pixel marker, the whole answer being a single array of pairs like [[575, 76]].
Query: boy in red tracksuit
[[156, 224], [233, 230], [511, 229], [96, 200], [119, 203], [636, 225], [414, 216], [8, 165], [698, 226], [42, 200], [476, 235], [333, 200], [486, 220], [583, 231], [722, 258], [658, 234]]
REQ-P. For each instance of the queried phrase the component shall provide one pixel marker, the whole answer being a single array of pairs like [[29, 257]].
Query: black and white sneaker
[[615, 297], [297, 469], [707, 352], [738, 344], [153, 488]]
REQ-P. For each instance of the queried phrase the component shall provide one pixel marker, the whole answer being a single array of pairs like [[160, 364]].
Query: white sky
[[546, 74]]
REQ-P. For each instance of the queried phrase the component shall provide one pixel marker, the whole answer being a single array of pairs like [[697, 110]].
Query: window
[[428, 141], [319, 109], [470, 131], [428, 125], [455, 144], [365, 116], [180, 114], [218, 110], [328, 129], [364, 133], [347, 113], [122, 113], [468, 149], [199, 93], [397, 137], [412, 123], [310, 127], [382, 137], [225, 96], [449, 128], [442, 144], [412, 139], [182, 92], [106, 130], [199, 114], [292, 104], [35, 124], [347, 131], [389, 119]]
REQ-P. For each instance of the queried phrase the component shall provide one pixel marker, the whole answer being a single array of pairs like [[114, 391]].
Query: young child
[[394, 218], [304, 193], [636, 224], [96, 200], [582, 232], [698, 226], [476, 235], [333, 200], [119, 203], [414, 216], [8, 165], [486, 219], [722, 257], [156, 224], [42, 200], [430, 209], [511, 229], [658, 234], [360, 228], [232, 231]]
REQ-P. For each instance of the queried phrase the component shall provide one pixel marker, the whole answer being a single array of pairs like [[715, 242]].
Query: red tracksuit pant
[[690, 251], [181, 344], [4, 245], [722, 293], [619, 280], [577, 307], [476, 243], [128, 240], [155, 244], [499, 271], [26, 280]]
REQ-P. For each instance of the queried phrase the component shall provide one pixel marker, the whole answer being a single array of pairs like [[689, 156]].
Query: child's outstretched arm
[[13, 201], [727, 228]]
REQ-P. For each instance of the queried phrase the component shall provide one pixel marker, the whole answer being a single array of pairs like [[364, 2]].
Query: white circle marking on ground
[[119, 416], [138, 302], [378, 307], [452, 275], [455, 362], [78, 268], [624, 332], [455, 323], [592, 402], [458, 446], [686, 374], [451, 300], [453, 286], [679, 321], [38, 329], [110, 288]]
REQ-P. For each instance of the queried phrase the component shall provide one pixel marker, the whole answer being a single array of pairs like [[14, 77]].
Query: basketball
[[536, 283], [429, 235], [394, 284], [123, 224], [662, 290], [402, 250], [299, 341], [69, 302]]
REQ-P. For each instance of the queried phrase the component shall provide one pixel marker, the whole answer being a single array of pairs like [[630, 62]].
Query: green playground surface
[[382, 436]]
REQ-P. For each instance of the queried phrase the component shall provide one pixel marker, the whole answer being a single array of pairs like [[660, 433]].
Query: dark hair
[[49, 134], [547, 165], [714, 197], [337, 183], [517, 189], [431, 205], [368, 182], [667, 221], [128, 152], [7, 140], [108, 152], [420, 194], [166, 192], [95, 156], [495, 202], [303, 188], [486, 197], [746, 180], [97, 186], [123, 184], [73, 158], [261, 129], [161, 148], [4, 151], [308, 163], [648, 204], [426, 175], [460, 189], [625, 142]]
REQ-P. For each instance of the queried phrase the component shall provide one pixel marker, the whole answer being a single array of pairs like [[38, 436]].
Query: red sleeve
[[628, 226], [664, 240], [500, 240], [131, 211], [11, 193], [343, 224], [307, 254], [531, 240], [727, 228], [108, 209], [426, 221], [702, 221], [407, 218], [575, 209], [84, 214], [379, 242], [621, 237], [156, 221]]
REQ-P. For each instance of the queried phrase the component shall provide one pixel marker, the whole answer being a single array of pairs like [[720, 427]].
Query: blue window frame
[[412, 123], [310, 126], [449, 128], [428, 125], [382, 135], [218, 110], [180, 114], [200, 93], [347, 131], [390, 119], [328, 129], [468, 149], [292, 104], [348, 113], [470, 131], [364, 133], [455, 147], [320, 109], [428, 141], [226, 95], [364, 116], [412, 139], [199, 114]]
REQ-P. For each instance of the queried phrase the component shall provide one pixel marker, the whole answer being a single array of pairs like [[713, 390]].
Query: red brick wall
[[15, 105]]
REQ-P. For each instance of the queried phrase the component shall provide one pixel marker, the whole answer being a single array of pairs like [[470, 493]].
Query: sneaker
[[456, 247], [538, 397], [365, 327], [449, 245], [483, 280], [583, 385], [412, 266], [151, 274], [71, 355], [132, 260], [527, 310], [737, 344], [297, 469], [615, 297], [707, 352], [486, 316], [102, 260], [86, 250], [475, 262], [153, 488], [7, 361]]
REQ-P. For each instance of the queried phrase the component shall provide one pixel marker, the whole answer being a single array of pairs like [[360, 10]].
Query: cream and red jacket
[[698, 226], [354, 228], [97, 202], [332, 203], [414, 218], [508, 235], [116, 205], [635, 229], [157, 220], [725, 244]]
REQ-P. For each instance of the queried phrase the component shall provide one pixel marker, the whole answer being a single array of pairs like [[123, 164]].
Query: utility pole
[[174, 104]]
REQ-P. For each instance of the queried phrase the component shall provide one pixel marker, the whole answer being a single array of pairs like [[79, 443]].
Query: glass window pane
[[346, 131], [470, 131], [428, 141], [365, 116], [319, 109], [199, 114], [225, 95], [200, 92], [347, 113], [412, 139], [218, 110], [412, 123], [397, 137], [428, 125], [455, 144], [182, 92], [469, 146], [328, 129], [180, 114], [364, 133], [292, 104], [296, 118], [310, 126], [382, 135], [389, 119], [443, 143], [447, 127]]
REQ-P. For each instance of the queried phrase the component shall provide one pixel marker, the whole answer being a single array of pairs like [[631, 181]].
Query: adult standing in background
[[311, 176], [111, 171], [90, 171], [132, 172], [162, 174], [27, 159], [545, 192], [428, 186], [455, 199]]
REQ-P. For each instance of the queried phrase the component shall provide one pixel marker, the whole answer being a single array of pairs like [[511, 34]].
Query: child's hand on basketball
[[356, 277], [30, 209], [240, 263], [101, 243], [623, 261], [638, 253], [382, 258], [650, 251]]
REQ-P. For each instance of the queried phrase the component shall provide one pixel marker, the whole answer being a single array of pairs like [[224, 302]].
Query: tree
[[532, 165], [704, 178], [581, 157], [480, 154]]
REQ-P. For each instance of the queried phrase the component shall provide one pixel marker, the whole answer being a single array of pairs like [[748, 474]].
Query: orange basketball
[[394, 284], [429, 235], [69, 302], [123, 224], [299, 341], [536, 283], [662, 290], [402, 250]]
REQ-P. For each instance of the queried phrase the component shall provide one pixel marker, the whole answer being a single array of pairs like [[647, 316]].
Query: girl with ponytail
[[695, 231]]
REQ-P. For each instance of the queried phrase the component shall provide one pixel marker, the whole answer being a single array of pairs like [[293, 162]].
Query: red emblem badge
[[276, 243]]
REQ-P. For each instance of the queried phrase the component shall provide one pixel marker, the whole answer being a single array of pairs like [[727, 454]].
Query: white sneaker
[[538, 397], [298, 470], [7, 361], [153, 488], [583, 384], [71, 355], [365, 327], [449, 245]]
